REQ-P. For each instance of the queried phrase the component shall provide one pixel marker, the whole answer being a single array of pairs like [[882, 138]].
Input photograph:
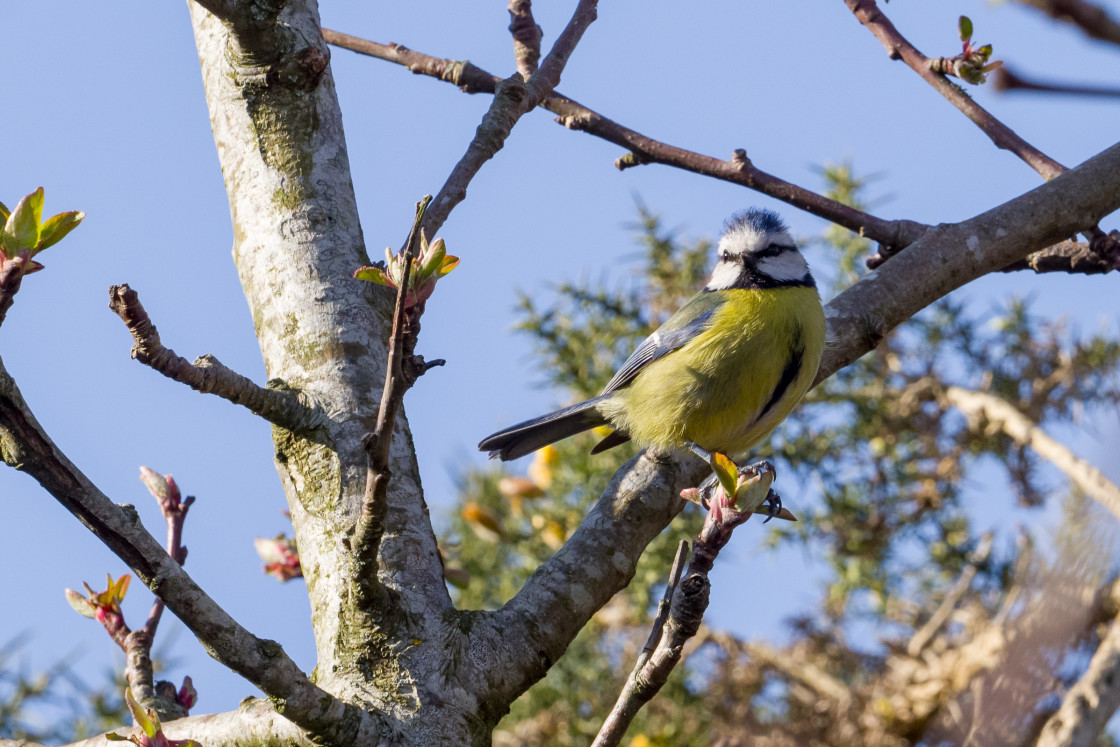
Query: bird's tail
[[525, 438]]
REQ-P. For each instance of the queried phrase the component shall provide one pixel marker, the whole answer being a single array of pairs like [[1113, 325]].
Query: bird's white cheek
[[724, 276]]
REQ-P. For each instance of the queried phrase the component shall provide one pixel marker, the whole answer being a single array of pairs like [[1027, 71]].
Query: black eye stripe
[[773, 250]]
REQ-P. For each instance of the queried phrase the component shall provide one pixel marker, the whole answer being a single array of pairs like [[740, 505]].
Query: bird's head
[[757, 251]]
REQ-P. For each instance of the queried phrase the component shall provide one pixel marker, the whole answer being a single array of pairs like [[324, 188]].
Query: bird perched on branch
[[720, 373]]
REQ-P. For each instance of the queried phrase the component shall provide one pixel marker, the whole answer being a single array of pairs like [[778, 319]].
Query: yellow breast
[[731, 385]]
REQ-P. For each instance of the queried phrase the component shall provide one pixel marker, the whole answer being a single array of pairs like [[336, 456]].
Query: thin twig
[[687, 602], [898, 48], [371, 522], [1090, 18], [664, 605], [686, 612], [10, 280], [526, 37], [174, 514], [641, 149], [512, 98], [207, 374], [1008, 80]]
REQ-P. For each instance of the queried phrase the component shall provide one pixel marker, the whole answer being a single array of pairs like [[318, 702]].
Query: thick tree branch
[[575, 116], [207, 374], [1022, 430], [280, 139], [512, 98], [532, 630], [534, 627], [1004, 79], [25, 446], [898, 48], [950, 255], [255, 721], [1090, 18]]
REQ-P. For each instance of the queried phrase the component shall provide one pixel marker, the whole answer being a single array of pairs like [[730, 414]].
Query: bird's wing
[[692, 319]]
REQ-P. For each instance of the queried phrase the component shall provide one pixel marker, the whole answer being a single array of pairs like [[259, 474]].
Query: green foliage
[[23, 234]]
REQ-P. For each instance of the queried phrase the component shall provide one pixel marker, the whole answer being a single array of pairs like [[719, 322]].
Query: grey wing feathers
[[662, 342], [525, 438]]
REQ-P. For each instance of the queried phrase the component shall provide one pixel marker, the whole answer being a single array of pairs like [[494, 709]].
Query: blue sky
[[105, 109]]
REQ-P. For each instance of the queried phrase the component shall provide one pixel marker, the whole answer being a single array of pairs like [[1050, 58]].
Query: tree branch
[[948, 256], [1088, 706], [254, 718], [1004, 79], [207, 375], [512, 98], [25, 446], [1090, 18], [575, 116], [1024, 431], [1068, 256], [526, 37], [653, 670], [898, 48]]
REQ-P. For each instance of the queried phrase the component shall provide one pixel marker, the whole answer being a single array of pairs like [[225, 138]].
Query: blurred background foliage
[[918, 609]]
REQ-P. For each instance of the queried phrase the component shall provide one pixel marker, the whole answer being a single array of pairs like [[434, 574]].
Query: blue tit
[[720, 373]]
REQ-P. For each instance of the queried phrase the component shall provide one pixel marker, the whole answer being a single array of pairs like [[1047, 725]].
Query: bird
[[722, 372]]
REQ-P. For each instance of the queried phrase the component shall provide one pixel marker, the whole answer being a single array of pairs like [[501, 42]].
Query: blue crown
[[758, 220]]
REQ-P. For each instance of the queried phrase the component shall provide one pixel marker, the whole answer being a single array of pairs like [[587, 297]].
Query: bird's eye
[[725, 256]]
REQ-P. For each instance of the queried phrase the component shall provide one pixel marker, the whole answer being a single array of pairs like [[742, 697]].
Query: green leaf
[[145, 718], [373, 275], [21, 230], [4, 213], [112, 737], [965, 27], [57, 226]]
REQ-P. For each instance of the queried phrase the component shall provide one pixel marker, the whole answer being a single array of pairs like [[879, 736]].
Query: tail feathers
[[525, 438]]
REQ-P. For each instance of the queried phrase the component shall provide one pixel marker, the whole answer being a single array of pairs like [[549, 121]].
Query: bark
[[298, 240]]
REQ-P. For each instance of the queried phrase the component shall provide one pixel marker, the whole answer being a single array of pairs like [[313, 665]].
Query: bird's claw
[[773, 506]]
